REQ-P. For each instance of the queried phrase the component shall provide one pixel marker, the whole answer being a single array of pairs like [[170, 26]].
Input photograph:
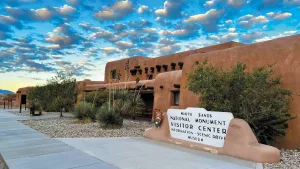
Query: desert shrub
[[255, 97], [85, 110], [96, 97], [109, 117], [134, 105]]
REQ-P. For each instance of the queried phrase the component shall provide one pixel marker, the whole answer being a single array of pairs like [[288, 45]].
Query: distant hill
[[6, 91]]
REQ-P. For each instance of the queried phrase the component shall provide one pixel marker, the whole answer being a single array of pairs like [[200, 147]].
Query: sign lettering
[[199, 125]]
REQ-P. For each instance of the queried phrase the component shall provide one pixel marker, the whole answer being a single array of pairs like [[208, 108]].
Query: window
[[113, 74], [176, 98], [150, 77]]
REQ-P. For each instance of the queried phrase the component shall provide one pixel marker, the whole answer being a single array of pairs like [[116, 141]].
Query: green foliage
[[63, 88], [58, 94], [129, 104], [255, 97], [109, 117], [96, 97], [85, 111], [134, 105]]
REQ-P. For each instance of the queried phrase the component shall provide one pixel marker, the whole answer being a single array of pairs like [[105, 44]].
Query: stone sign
[[199, 125]]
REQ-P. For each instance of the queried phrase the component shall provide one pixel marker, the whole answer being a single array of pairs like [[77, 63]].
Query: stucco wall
[[21, 91], [285, 52], [143, 62], [163, 97]]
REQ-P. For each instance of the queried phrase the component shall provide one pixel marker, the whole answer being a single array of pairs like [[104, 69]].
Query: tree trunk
[[61, 114]]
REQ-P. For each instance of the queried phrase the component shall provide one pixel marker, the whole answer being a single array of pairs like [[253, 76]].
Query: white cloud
[[290, 32], [116, 12], [166, 41], [236, 3], [208, 20], [205, 18], [144, 9], [44, 14], [248, 21], [74, 2], [110, 50], [66, 10], [231, 29], [124, 45], [209, 3], [292, 2], [7, 19], [281, 16], [172, 9], [105, 35], [224, 38], [228, 21], [178, 33], [170, 49], [250, 37]]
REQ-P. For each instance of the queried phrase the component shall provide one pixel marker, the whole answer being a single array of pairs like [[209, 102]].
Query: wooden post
[[25, 106], [20, 106], [11, 103], [7, 104], [4, 103]]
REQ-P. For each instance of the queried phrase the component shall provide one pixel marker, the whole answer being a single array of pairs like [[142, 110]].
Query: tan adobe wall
[[163, 97], [20, 92], [152, 62], [285, 52]]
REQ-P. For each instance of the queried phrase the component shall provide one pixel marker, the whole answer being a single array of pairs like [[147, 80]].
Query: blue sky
[[41, 37]]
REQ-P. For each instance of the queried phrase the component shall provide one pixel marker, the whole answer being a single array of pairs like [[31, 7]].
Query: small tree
[[255, 97], [64, 91]]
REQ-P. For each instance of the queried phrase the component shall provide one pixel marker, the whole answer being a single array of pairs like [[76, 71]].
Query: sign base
[[240, 142]]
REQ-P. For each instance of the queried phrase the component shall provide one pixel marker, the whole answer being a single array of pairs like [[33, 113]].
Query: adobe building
[[21, 95], [9, 101], [163, 80]]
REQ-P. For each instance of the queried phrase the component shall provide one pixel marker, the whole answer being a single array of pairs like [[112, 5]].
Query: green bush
[[85, 110], [255, 97], [109, 117], [96, 97], [134, 105]]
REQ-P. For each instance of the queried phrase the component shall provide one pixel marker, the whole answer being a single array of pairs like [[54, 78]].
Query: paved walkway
[[25, 148], [140, 153]]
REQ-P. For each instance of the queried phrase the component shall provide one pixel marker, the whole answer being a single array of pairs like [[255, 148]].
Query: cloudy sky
[[41, 37]]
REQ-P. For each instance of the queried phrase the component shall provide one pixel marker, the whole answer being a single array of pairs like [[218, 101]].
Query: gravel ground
[[2, 163], [65, 128], [27, 113], [290, 159]]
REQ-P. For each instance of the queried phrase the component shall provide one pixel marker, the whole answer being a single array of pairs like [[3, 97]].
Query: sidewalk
[[24, 148]]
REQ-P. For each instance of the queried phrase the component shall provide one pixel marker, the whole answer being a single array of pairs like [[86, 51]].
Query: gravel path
[[290, 159], [65, 128]]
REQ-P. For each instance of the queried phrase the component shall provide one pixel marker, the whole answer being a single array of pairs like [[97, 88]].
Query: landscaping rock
[[290, 159], [65, 128]]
